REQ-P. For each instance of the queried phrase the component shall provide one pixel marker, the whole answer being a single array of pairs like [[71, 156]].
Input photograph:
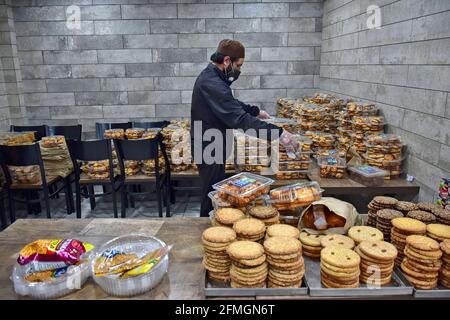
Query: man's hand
[[263, 115]]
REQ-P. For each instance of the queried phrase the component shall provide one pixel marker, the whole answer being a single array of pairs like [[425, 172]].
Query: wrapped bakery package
[[328, 215], [47, 269]]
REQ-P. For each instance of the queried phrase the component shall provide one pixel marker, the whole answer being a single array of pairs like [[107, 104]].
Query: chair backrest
[[100, 127], [21, 156], [40, 131], [138, 149], [69, 132], [147, 125], [90, 150]]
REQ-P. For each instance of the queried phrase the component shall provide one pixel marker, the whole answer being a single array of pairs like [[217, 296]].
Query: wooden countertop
[[185, 274]]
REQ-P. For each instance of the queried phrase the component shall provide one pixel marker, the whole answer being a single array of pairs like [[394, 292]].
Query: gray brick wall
[[404, 67], [139, 59]]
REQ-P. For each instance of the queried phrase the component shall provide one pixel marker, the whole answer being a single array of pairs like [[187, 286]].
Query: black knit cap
[[231, 48]]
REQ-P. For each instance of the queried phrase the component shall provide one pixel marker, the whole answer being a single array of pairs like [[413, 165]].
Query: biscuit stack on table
[[216, 260], [250, 229], [226, 217], [379, 203], [442, 215], [337, 240], [424, 216], [427, 206], [405, 207], [267, 214], [364, 233], [339, 267], [249, 266], [438, 232], [377, 262], [286, 266], [422, 262], [311, 245], [402, 228], [282, 230], [384, 221], [444, 273]]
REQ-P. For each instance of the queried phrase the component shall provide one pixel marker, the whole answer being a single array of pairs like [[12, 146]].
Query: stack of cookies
[[377, 262], [364, 233], [226, 217], [250, 229], [216, 260], [249, 266], [384, 221], [424, 216], [379, 203], [337, 240], [422, 261], [311, 245], [405, 207], [402, 228], [339, 267], [427, 206], [442, 215], [444, 273], [267, 214], [286, 267], [438, 232], [282, 230]]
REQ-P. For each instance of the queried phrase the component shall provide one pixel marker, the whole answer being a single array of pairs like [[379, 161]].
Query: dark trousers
[[209, 175]]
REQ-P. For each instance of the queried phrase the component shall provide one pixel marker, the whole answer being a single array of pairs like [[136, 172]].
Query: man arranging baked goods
[[214, 108]]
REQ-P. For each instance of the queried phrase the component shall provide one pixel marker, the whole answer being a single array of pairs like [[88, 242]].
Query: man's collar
[[212, 66]]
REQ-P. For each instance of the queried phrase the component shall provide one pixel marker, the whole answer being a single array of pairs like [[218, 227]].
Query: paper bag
[[328, 215]]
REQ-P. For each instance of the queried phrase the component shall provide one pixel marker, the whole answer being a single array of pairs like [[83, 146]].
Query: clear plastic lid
[[368, 171], [307, 191], [332, 161], [383, 161], [330, 153], [284, 121], [384, 139], [243, 184]]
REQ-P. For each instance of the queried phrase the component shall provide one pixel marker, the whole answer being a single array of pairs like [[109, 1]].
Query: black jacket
[[214, 105]]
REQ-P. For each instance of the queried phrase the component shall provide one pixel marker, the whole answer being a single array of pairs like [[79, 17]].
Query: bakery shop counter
[[183, 280]]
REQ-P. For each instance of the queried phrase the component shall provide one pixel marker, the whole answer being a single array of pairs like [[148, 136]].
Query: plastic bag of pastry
[[295, 195], [44, 255], [339, 216]]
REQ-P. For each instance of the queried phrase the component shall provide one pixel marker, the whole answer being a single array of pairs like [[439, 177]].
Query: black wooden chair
[[40, 131], [93, 150], [148, 125], [3, 221], [30, 155], [101, 127], [69, 132], [138, 150]]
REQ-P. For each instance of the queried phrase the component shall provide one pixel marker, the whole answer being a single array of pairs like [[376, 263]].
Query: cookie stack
[[286, 267], [267, 214], [337, 240], [444, 273], [282, 230], [379, 203], [438, 232], [226, 217], [339, 267], [250, 229], [442, 215], [364, 233], [384, 221], [248, 265], [422, 261], [377, 262], [427, 206], [216, 260], [424, 216], [405, 207], [402, 228], [311, 245]]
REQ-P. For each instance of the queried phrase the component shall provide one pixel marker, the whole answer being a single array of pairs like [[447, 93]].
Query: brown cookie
[[422, 243], [379, 250], [421, 215], [282, 246], [219, 234], [245, 250]]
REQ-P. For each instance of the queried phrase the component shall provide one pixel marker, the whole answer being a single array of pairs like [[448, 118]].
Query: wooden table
[[183, 280]]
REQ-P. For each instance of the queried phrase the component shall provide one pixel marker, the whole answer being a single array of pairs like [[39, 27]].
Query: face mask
[[232, 74]]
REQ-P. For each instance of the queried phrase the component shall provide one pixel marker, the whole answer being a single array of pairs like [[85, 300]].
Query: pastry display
[[296, 195], [444, 273], [134, 133], [321, 140], [114, 134], [339, 267], [17, 138], [311, 244], [265, 213], [25, 174], [379, 203], [332, 167], [249, 229], [384, 221], [367, 175], [402, 228]]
